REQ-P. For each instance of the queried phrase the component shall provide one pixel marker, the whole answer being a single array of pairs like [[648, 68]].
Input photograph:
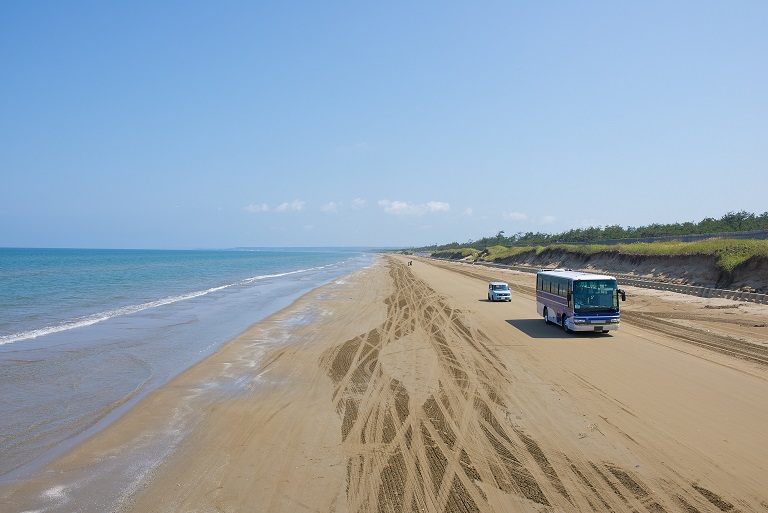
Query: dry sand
[[400, 388]]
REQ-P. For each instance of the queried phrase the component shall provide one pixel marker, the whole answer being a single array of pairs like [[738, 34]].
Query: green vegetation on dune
[[457, 254], [728, 253], [501, 252]]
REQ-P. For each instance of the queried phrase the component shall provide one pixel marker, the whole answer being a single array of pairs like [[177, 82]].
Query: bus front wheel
[[562, 323]]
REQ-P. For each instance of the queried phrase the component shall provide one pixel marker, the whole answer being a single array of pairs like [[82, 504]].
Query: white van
[[499, 291]]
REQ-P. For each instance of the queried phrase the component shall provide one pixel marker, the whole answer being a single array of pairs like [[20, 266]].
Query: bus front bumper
[[593, 325]]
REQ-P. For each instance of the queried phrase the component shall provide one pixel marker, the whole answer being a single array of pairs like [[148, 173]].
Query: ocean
[[84, 334]]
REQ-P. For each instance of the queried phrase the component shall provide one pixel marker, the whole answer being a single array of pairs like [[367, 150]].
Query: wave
[[88, 320]]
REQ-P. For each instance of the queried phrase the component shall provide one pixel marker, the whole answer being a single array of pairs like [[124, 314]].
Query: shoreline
[[110, 465], [61, 388]]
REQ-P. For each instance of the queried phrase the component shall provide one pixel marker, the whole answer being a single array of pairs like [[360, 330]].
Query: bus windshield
[[592, 296]]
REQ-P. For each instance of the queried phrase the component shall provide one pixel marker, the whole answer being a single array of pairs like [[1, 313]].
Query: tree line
[[731, 222]]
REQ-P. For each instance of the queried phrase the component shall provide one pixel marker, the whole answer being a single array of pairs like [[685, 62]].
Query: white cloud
[[438, 206], [516, 216], [468, 212], [331, 207], [254, 208], [548, 219], [358, 203], [292, 206], [395, 207], [416, 209]]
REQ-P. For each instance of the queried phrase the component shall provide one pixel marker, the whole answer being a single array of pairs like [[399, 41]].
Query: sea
[[86, 333]]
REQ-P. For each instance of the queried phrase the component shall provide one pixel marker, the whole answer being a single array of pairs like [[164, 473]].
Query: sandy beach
[[401, 388]]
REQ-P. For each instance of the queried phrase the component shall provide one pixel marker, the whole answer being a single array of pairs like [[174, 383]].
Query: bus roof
[[570, 274]]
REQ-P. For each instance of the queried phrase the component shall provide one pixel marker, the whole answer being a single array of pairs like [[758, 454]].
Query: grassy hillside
[[728, 253], [457, 254]]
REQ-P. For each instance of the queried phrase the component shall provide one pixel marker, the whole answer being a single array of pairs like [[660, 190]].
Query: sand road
[[458, 404], [409, 391], [538, 420]]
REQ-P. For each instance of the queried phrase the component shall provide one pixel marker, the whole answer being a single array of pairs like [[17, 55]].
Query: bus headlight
[[579, 321], [614, 321]]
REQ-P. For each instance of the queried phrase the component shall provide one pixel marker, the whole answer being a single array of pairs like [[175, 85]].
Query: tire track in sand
[[421, 443], [424, 427]]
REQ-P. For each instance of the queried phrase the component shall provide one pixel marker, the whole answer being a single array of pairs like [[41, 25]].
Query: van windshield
[[593, 296]]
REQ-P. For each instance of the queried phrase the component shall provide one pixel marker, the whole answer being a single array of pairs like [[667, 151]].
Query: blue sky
[[220, 124]]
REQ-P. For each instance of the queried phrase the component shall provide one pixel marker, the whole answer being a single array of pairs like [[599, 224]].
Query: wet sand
[[400, 388]]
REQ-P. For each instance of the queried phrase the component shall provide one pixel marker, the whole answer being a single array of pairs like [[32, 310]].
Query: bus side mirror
[[623, 295], [569, 297]]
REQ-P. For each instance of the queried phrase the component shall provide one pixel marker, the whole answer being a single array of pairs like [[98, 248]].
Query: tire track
[[424, 455], [699, 337], [436, 443]]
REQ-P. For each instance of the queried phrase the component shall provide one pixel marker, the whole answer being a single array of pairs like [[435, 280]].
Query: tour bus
[[578, 301]]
